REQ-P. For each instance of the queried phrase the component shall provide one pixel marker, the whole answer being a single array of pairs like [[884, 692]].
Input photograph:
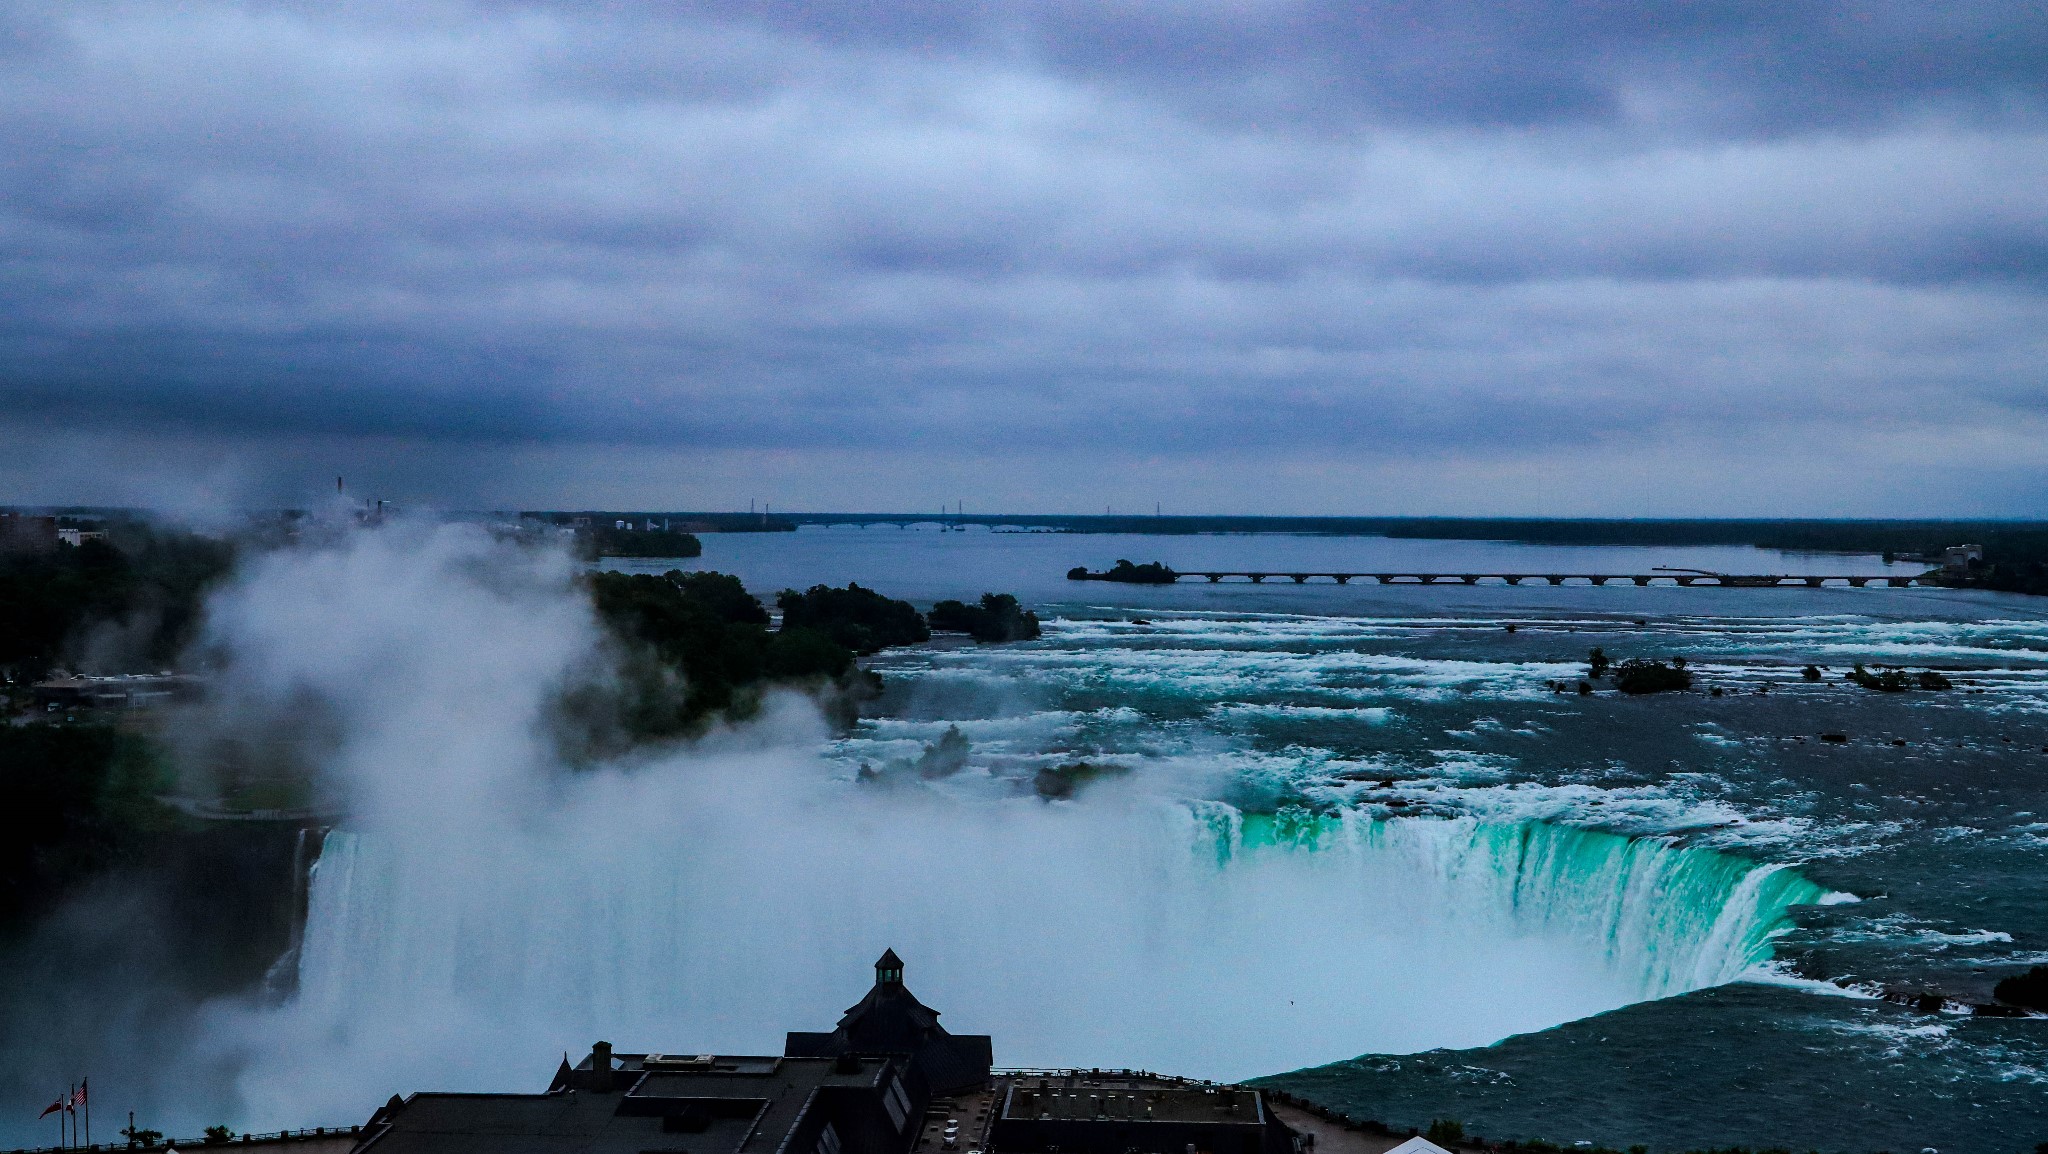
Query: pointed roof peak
[[889, 961]]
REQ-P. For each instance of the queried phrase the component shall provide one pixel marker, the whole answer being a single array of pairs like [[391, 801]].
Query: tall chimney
[[601, 1058]]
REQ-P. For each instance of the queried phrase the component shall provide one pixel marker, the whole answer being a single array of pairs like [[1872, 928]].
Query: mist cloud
[[481, 906], [464, 247]]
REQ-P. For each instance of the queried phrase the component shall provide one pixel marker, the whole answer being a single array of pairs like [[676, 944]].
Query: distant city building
[[1958, 558], [888, 1080], [64, 691], [80, 536]]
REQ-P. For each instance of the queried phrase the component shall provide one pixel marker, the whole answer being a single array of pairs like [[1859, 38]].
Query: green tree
[[997, 619], [158, 577], [860, 619]]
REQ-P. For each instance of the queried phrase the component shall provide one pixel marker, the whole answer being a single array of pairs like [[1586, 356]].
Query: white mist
[[486, 909]]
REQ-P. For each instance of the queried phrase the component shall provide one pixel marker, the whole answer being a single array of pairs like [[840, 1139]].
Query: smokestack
[[601, 1058]]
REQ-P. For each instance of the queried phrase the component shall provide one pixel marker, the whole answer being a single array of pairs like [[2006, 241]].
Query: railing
[[265, 1137], [1104, 1072]]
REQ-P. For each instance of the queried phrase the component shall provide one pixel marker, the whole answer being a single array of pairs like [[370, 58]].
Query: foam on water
[[1191, 935]]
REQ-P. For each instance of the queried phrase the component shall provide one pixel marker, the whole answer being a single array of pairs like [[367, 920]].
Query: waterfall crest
[[1665, 918], [1173, 936]]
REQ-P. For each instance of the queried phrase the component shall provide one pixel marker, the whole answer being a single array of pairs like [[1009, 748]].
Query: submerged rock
[[945, 757], [1639, 676], [2029, 989]]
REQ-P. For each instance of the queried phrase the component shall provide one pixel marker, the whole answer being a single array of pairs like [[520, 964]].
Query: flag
[[77, 1098], [52, 1108]]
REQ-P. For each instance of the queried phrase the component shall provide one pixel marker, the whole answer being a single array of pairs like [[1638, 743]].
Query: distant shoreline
[[1816, 535]]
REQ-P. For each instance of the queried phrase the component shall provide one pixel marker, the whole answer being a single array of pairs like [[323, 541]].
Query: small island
[[594, 543], [1150, 573], [997, 619]]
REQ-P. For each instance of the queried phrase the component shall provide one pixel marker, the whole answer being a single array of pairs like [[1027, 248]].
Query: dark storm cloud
[[1143, 227]]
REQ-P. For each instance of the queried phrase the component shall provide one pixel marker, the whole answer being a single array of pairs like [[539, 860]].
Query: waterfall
[[1664, 917], [1185, 937]]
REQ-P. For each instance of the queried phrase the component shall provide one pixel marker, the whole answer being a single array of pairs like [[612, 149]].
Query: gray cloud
[[1148, 231]]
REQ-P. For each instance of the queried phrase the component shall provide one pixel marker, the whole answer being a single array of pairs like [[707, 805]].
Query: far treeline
[[145, 581], [1819, 535], [672, 522]]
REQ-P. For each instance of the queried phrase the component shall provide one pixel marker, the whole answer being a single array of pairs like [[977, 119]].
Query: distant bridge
[[1709, 580]]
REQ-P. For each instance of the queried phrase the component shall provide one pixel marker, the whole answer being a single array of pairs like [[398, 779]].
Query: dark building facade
[[887, 1080]]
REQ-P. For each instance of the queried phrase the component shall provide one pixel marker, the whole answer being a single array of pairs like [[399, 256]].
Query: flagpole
[[66, 1112], [84, 1085]]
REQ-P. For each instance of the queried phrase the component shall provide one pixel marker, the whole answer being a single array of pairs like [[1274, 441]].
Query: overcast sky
[[1239, 256]]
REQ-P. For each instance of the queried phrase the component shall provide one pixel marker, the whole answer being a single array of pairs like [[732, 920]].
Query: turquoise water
[[1695, 841], [1348, 837]]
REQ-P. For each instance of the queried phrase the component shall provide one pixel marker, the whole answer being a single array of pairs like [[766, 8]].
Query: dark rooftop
[[713, 1105], [1128, 1099]]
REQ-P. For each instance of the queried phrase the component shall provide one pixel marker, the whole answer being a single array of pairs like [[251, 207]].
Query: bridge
[[1688, 580]]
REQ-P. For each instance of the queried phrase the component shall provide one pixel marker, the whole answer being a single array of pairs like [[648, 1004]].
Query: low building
[[1091, 1112], [888, 1080], [1958, 559], [853, 1091], [80, 536], [66, 691]]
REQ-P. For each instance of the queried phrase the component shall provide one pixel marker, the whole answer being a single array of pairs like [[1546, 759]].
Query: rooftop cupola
[[891, 1021]]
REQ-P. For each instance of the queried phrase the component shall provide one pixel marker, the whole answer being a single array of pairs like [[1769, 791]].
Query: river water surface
[[1356, 830]]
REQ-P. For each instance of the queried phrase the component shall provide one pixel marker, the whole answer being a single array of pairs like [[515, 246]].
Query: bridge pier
[[1814, 582], [1343, 578], [1468, 579], [1640, 580], [1215, 577], [1899, 582], [1554, 580], [1257, 578], [1299, 578], [1858, 582]]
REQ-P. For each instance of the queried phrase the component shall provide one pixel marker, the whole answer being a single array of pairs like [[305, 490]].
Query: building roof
[[717, 1104], [861, 1089], [890, 1020], [1067, 1099]]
